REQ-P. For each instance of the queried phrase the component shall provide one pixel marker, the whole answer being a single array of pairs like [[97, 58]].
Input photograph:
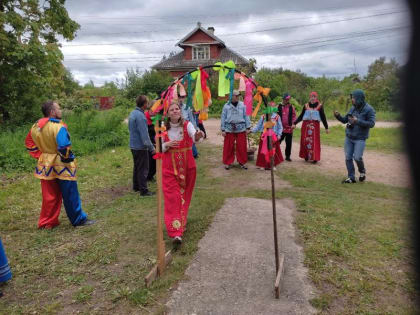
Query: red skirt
[[310, 142], [278, 156]]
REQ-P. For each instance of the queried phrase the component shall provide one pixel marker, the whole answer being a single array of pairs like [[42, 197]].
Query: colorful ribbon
[[231, 77], [270, 110], [258, 97], [158, 156], [224, 86], [155, 119], [188, 79]]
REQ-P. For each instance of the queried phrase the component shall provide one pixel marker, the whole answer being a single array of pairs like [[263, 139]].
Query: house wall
[[214, 51], [188, 53], [199, 36]]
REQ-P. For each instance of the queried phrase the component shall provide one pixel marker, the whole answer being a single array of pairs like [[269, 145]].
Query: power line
[[240, 33]]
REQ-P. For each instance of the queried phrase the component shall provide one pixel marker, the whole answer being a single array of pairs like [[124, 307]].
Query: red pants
[[229, 148], [51, 204]]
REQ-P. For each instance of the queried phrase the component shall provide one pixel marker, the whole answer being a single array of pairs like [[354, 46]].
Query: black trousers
[[289, 137], [152, 167], [140, 170], [201, 127]]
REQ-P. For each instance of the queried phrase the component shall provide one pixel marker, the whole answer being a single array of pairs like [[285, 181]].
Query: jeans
[[194, 151], [353, 149]]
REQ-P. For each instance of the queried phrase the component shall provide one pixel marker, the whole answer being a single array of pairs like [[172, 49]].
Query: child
[[262, 162]]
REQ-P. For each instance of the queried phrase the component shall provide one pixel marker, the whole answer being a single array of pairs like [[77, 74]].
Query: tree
[[31, 68], [382, 83]]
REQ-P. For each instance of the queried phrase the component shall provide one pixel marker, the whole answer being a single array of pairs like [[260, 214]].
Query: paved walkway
[[233, 272]]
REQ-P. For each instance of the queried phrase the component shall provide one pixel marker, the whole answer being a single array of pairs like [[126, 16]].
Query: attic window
[[201, 53]]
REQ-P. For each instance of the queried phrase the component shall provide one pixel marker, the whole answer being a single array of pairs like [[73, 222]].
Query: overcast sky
[[319, 37]]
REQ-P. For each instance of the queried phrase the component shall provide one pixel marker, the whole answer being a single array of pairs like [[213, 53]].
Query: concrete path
[[233, 272]]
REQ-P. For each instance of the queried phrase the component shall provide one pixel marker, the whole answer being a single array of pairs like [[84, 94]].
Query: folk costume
[[5, 272], [49, 142], [235, 122], [178, 177], [287, 113], [263, 159], [310, 140]]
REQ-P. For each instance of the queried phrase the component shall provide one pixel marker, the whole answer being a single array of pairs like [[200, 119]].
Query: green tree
[[148, 83], [31, 67], [382, 83]]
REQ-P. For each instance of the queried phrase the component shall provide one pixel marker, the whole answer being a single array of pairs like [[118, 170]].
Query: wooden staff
[[163, 259], [278, 258], [160, 242]]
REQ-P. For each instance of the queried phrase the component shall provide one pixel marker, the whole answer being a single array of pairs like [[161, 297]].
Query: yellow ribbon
[[258, 97], [224, 84]]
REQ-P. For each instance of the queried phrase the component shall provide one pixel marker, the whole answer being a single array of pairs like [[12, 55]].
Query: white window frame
[[201, 52]]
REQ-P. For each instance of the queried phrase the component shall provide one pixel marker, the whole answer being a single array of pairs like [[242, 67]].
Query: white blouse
[[176, 133]]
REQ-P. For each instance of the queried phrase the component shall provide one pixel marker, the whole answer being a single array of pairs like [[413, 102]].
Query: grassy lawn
[[387, 140], [355, 240]]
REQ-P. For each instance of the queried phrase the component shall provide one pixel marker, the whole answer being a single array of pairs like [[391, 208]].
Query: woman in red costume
[[178, 171], [310, 139]]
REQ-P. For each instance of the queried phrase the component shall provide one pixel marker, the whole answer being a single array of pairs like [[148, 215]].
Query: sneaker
[[362, 177], [177, 240], [227, 167], [314, 162], [147, 193], [87, 222], [288, 159], [243, 166], [261, 168], [348, 181], [274, 168]]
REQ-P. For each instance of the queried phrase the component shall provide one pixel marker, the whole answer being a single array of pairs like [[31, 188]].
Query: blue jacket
[[234, 118], [139, 135], [365, 120]]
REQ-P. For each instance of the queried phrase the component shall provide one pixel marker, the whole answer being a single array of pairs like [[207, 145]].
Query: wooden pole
[[160, 243], [273, 200]]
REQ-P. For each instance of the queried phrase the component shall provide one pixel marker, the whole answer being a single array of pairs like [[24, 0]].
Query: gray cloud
[[322, 48]]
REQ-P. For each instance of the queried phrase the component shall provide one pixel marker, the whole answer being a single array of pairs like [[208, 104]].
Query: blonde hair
[[168, 121]]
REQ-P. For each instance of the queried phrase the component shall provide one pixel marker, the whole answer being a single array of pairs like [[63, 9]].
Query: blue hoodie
[[365, 117]]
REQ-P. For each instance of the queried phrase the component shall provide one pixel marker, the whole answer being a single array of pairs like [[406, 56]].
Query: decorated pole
[[160, 242], [163, 259]]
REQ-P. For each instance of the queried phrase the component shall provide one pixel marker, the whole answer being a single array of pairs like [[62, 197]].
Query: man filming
[[359, 119]]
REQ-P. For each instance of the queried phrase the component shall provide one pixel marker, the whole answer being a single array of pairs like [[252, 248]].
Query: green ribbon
[[189, 80], [270, 110], [224, 83], [156, 118], [198, 93]]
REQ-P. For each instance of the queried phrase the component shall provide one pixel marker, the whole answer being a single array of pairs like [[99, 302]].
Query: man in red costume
[[48, 141]]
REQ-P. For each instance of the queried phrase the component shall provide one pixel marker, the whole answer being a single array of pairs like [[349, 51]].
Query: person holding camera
[[359, 120]]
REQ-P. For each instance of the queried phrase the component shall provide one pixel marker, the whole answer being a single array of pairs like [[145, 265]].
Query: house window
[[201, 52]]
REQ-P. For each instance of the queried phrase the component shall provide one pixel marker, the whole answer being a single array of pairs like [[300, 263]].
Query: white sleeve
[[191, 130], [164, 148]]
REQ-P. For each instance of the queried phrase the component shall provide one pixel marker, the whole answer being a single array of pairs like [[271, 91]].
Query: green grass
[[357, 245], [355, 240], [387, 140]]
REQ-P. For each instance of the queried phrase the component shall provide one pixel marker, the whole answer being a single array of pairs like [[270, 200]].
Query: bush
[[90, 131]]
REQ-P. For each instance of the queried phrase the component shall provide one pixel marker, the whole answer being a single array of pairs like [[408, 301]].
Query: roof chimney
[[210, 30], [199, 24]]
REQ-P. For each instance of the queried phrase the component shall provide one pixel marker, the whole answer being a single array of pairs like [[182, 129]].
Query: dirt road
[[390, 169]]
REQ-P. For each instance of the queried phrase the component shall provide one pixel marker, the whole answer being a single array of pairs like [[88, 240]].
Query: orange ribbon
[[258, 97]]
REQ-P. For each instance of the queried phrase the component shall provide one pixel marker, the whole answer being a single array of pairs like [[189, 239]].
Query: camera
[[350, 125]]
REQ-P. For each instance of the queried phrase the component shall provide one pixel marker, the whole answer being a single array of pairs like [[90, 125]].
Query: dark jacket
[[365, 120]]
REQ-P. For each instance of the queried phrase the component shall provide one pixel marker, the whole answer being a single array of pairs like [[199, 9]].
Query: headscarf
[[314, 94]]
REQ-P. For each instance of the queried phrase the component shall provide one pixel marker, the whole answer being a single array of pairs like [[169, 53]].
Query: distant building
[[200, 48]]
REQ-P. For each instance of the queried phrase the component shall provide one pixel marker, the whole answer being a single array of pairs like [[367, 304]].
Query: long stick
[[273, 199], [160, 243]]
